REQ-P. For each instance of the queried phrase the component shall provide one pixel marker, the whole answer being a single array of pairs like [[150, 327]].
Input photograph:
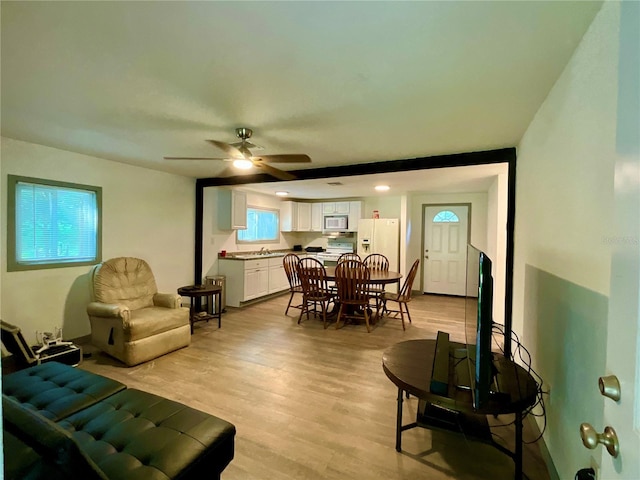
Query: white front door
[[623, 327], [445, 243]]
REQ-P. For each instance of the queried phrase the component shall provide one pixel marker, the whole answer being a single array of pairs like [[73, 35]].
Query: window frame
[[12, 263], [451, 219], [253, 242]]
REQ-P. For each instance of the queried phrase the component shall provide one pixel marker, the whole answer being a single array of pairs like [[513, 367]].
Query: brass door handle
[[591, 438], [610, 387]]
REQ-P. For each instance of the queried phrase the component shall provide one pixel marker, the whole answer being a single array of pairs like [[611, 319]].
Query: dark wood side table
[[198, 291], [409, 366]]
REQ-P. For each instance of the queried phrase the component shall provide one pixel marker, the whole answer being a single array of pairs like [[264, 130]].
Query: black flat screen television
[[479, 325]]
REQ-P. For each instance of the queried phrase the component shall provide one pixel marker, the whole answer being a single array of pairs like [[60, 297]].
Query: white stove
[[334, 250]]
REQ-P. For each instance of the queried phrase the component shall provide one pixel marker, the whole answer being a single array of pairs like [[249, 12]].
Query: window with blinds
[[52, 224], [262, 226]]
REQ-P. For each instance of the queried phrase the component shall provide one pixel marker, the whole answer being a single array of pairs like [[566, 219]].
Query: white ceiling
[[477, 178], [345, 82]]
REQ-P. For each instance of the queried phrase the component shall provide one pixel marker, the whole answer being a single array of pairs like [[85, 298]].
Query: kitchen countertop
[[258, 256]]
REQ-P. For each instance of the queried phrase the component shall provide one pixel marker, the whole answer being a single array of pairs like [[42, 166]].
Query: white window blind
[[262, 226], [55, 224]]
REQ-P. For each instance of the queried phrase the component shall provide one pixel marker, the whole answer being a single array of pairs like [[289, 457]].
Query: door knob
[[591, 438]]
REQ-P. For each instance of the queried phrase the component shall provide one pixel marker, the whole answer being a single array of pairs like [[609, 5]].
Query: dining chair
[[352, 279], [403, 297], [315, 290], [348, 256], [377, 261], [290, 262]]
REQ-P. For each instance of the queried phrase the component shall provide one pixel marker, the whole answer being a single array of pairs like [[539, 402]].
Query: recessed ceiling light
[[282, 194], [382, 188], [243, 164]]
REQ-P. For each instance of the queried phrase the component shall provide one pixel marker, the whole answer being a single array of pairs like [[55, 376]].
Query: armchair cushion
[[167, 300], [108, 310], [125, 281], [152, 321]]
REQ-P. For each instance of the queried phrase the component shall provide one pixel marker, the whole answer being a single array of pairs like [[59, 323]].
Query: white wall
[[564, 205], [497, 240], [388, 206], [146, 214]]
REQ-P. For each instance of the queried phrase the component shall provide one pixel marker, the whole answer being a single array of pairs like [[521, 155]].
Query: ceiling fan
[[242, 158]]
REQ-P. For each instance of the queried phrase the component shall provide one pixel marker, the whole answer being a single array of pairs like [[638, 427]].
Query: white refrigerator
[[380, 235]]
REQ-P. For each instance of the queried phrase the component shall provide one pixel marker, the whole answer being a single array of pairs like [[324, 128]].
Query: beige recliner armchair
[[130, 320]]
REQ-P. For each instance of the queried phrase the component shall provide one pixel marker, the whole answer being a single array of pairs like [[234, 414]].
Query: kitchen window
[[263, 226], [52, 224]]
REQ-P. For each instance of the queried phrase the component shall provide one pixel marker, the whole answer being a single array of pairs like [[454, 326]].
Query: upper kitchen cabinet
[[355, 214], [295, 217], [316, 217], [304, 217], [329, 208], [232, 210]]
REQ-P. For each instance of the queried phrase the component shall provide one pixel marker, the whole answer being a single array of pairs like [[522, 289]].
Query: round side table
[[197, 291]]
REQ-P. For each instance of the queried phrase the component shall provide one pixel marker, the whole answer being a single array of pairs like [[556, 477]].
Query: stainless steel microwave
[[335, 223]]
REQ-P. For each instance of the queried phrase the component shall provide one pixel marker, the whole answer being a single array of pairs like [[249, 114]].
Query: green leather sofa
[[62, 422]]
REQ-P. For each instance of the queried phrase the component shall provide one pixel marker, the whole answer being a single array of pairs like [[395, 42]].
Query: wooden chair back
[[313, 278], [348, 256], [352, 280], [376, 261], [290, 262], [405, 291]]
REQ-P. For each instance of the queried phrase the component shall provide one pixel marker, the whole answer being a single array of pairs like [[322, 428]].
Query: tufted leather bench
[[61, 422]]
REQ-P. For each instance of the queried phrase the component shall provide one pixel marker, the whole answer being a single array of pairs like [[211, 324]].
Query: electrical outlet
[[596, 468]]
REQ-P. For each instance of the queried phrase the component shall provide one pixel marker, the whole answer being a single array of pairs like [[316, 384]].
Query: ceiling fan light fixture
[[242, 164], [382, 188]]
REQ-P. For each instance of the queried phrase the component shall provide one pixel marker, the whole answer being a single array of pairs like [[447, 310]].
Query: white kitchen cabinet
[[232, 210], [295, 217], [256, 283], [304, 217], [329, 208], [316, 217], [355, 214], [288, 216], [251, 279], [278, 280]]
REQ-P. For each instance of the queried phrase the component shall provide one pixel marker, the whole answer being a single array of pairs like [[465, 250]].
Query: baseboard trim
[[85, 339], [544, 451]]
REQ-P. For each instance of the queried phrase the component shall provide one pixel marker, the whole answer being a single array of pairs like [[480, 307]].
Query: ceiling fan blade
[[275, 172], [247, 144], [230, 150], [193, 158], [284, 158]]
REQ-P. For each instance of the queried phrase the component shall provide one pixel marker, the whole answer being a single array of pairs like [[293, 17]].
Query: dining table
[[377, 277]]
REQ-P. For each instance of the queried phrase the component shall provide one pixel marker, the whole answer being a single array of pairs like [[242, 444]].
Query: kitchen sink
[[254, 256]]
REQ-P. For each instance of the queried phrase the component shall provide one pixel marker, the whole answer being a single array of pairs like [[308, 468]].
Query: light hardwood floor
[[310, 403]]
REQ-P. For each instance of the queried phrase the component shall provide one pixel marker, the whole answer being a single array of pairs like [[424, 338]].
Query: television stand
[[411, 365]]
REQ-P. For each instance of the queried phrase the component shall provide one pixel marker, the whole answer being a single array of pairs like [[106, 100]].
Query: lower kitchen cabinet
[[250, 279]]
